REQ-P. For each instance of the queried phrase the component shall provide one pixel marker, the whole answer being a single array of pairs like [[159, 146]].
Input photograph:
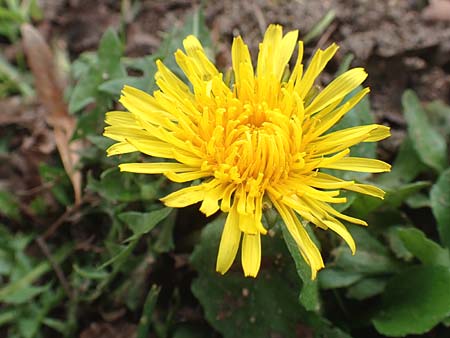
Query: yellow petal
[[367, 189], [241, 59], [306, 245], [366, 165], [346, 138], [184, 197], [186, 177], [330, 115], [318, 63], [342, 231], [229, 242], [210, 204], [337, 89], [120, 148], [155, 168], [251, 254]]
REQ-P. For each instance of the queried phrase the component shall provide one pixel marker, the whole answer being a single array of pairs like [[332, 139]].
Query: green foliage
[[27, 303], [246, 307], [415, 301], [430, 146], [440, 205], [15, 12]]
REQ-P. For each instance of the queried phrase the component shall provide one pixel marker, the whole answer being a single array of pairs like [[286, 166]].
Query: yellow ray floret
[[265, 137]]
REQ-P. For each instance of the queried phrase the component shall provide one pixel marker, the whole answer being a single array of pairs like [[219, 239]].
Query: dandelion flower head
[[265, 137]]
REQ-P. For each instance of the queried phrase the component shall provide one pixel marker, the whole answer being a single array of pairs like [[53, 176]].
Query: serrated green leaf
[[109, 52], [309, 293], [366, 288], [261, 307], [141, 223], [57, 177], [440, 205], [428, 143], [85, 90], [426, 250], [238, 306], [165, 242], [418, 200], [371, 257], [330, 278], [439, 115], [414, 301], [115, 186], [396, 244], [397, 196]]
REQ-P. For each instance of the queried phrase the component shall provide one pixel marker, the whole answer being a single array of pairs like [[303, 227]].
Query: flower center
[[255, 148]]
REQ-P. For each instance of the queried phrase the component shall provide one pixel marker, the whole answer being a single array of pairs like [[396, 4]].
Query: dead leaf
[[41, 62]]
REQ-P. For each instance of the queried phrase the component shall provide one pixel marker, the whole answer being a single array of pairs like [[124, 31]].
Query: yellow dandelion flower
[[266, 137]]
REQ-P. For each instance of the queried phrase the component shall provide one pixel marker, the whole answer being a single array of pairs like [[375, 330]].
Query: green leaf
[[364, 261], [440, 205], [9, 205], [165, 243], [331, 278], [57, 177], [116, 186], [26, 280], [25, 294], [428, 143], [426, 250], [143, 222], [439, 115], [309, 293], [414, 301], [90, 273], [110, 51], [7, 316], [123, 252], [371, 257], [115, 86], [238, 306], [396, 197], [366, 288], [263, 307], [397, 245], [55, 324], [407, 165], [150, 302], [418, 200], [85, 91]]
